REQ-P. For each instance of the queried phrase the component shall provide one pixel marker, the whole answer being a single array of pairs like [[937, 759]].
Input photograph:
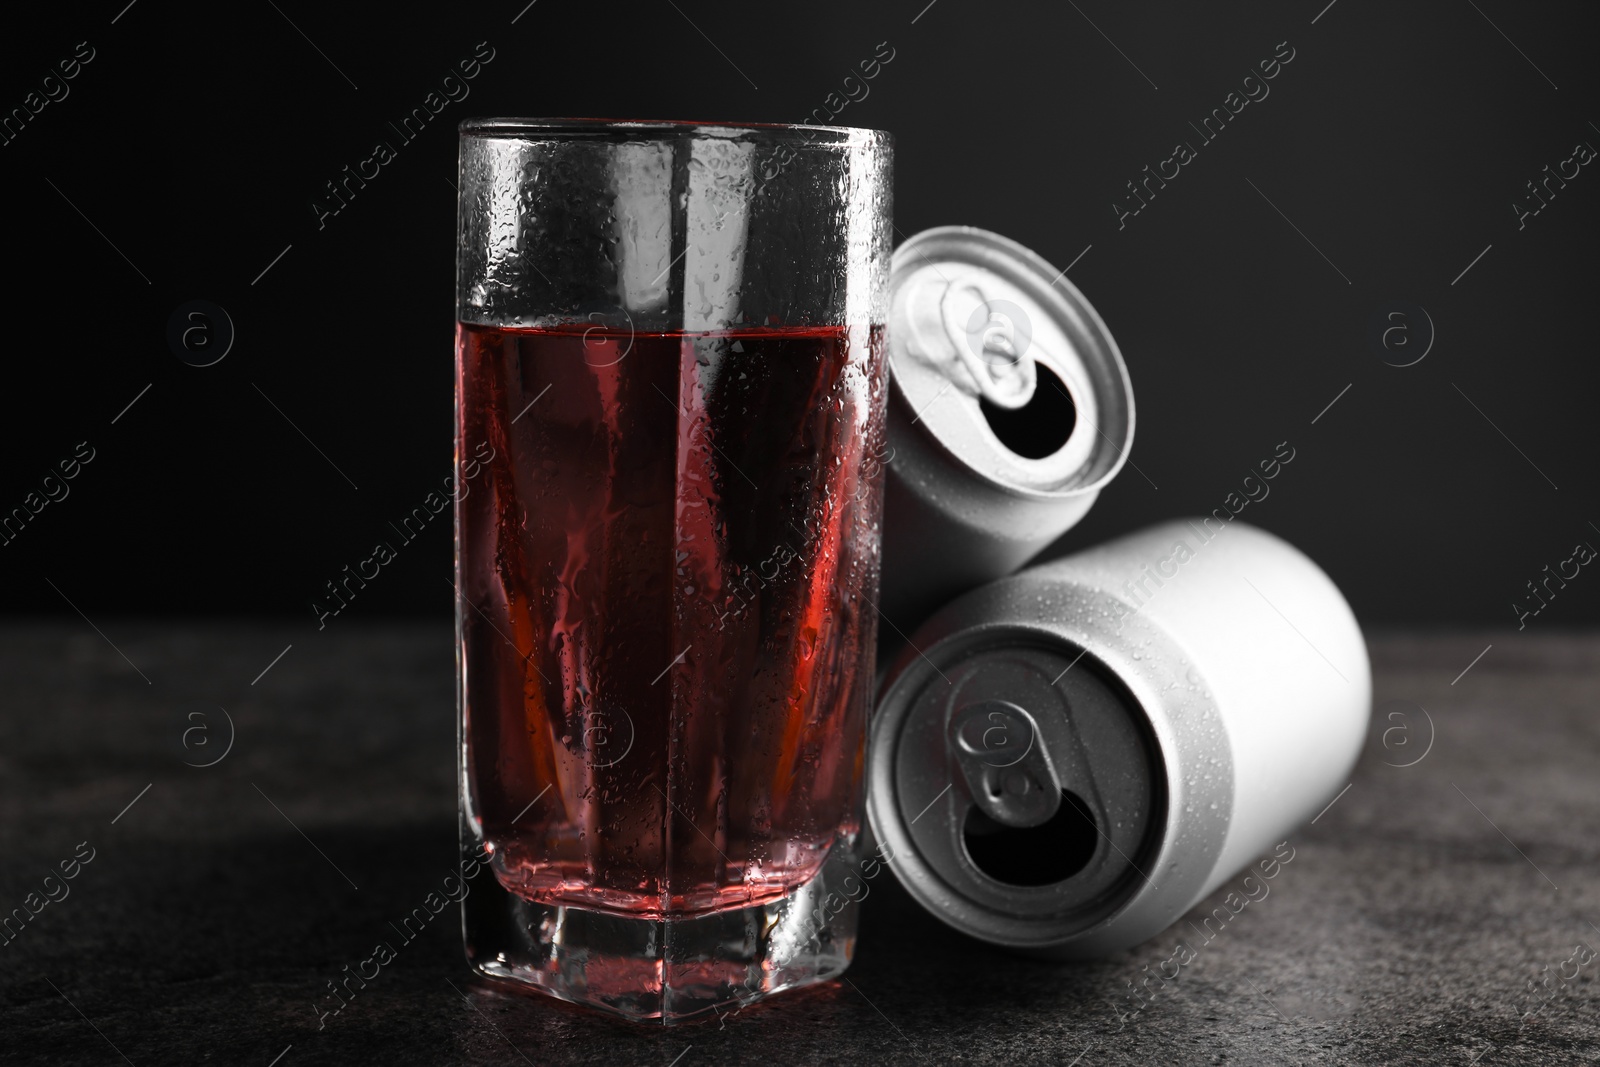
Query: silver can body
[[1194, 691], [1010, 408]]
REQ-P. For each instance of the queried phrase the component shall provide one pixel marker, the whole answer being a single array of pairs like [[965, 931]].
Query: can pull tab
[[1009, 774], [991, 338]]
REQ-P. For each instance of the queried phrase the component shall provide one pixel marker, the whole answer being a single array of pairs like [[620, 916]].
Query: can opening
[[1041, 426], [1045, 854]]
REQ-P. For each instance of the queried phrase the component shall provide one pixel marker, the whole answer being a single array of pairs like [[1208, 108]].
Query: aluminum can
[[1010, 408], [1065, 761]]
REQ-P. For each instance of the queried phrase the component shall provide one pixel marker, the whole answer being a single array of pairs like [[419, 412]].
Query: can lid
[[1016, 786], [1005, 364]]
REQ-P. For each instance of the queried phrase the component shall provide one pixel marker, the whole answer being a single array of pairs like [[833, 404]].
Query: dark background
[[1396, 141]]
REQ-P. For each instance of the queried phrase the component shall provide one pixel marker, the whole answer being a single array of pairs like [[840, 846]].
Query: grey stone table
[[1441, 912]]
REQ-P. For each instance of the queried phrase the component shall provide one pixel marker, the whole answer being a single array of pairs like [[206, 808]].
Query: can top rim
[[1091, 345], [926, 883]]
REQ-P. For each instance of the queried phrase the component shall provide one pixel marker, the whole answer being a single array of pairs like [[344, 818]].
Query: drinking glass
[[669, 441]]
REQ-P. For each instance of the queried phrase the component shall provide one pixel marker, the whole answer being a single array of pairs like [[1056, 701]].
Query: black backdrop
[[184, 157]]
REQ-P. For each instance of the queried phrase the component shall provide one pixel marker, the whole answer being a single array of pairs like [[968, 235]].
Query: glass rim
[[667, 129]]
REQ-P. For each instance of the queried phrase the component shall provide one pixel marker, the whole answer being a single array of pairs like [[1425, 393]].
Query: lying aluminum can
[[1009, 410], [1065, 761]]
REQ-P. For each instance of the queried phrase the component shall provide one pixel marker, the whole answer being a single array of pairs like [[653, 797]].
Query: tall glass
[[669, 434]]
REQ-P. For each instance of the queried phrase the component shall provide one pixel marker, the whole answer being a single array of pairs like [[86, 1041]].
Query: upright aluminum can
[[1065, 761], [1009, 409]]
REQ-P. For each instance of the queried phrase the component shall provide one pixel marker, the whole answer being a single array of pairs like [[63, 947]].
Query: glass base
[[666, 970]]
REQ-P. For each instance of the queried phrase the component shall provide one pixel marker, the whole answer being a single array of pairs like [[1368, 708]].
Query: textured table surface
[[1414, 924]]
